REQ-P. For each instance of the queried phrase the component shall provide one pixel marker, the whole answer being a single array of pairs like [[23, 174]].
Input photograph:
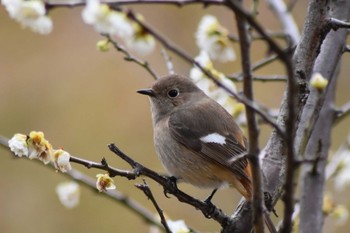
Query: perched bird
[[195, 138]]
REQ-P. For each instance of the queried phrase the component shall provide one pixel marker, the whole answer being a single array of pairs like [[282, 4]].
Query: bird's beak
[[148, 92]]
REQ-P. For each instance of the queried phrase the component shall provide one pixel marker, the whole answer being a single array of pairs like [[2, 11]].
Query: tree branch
[[313, 175], [253, 130], [147, 191], [132, 58], [115, 195], [289, 26], [209, 210], [342, 113]]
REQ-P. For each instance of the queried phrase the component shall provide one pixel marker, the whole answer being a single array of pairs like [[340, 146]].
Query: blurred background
[[83, 99]]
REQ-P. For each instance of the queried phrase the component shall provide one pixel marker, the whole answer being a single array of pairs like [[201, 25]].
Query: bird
[[196, 139]]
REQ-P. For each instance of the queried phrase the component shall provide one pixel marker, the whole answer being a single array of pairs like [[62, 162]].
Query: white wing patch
[[214, 138]]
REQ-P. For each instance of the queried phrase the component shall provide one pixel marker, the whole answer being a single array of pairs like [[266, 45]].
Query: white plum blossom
[[39, 147], [178, 226], [213, 38], [18, 145], [210, 88], [104, 182], [61, 160], [342, 178], [141, 41], [143, 45], [31, 13], [114, 23], [106, 20], [68, 194]]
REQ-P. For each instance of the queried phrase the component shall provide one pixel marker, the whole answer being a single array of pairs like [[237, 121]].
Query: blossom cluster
[[33, 14], [29, 13], [36, 146], [214, 44], [213, 38], [117, 24]]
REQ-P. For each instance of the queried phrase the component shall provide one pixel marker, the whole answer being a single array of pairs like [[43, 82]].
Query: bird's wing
[[211, 137]]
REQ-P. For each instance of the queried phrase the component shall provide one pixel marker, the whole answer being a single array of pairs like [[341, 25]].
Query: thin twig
[[346, 49], [342, 112], [209, 210], [335, 24], [179, 3], [286, 19], [147, 191], [132, 58], [168, 62], [115, 195], [253, 130], [261, 78]]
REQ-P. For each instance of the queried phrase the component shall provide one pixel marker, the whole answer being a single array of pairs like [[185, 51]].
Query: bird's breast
[[184, 163]]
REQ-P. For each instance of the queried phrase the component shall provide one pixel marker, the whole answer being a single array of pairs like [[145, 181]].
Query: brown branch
[[285, 57], [147, 191], [257, 65], [208, 209], [52, 4], [261, 78], [253, 130]]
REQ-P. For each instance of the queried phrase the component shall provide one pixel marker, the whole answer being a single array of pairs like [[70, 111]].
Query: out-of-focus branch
[[168, 61], [342, 112], [261, 78], [115, 3], [286, 19], [346, 49], [115, 195], [255, 66]]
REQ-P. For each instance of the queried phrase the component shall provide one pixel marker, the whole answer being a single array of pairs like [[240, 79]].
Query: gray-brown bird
[[195, 138]]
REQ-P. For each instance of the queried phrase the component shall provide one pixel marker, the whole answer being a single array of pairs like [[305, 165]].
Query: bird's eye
[[173, 93]]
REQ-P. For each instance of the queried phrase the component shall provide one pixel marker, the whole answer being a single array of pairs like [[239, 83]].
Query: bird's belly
[[187, 166]]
